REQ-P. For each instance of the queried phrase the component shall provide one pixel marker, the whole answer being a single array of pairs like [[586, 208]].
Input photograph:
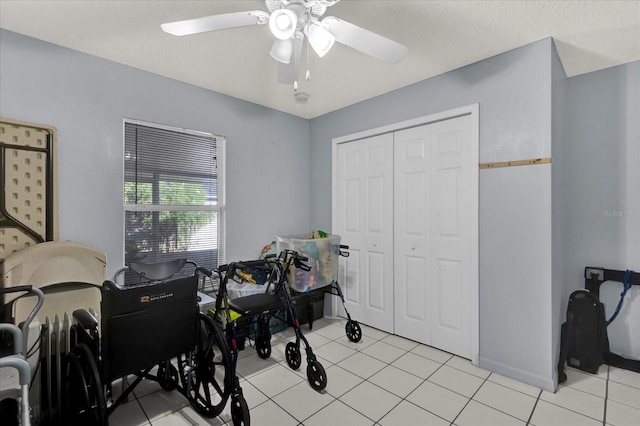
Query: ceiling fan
[[290, 21]]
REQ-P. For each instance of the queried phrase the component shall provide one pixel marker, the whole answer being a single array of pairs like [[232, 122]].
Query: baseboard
[[544, 383]]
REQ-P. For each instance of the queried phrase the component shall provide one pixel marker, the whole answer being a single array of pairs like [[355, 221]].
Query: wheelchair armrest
[[85, 319], [204, 271], [16, 289]]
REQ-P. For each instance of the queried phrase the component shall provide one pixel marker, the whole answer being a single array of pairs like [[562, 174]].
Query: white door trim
[[473, 111]]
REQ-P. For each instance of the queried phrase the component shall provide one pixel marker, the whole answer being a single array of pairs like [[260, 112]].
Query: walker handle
[[299, 261], [251, 264]]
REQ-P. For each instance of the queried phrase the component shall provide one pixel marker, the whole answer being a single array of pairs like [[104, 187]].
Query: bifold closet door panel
[[365, 223], [412, 251], [434, 187]]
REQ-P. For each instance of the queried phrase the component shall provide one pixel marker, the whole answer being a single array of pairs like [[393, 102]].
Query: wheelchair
[[260, 308], [155, 324]]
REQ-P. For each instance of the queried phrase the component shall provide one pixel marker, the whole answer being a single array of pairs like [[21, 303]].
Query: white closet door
[[435, 230], [412, 249], [365, 223]]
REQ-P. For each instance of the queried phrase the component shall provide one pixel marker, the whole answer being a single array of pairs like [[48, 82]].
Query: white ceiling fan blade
[[288, 73], [365, 41], [216, 22]]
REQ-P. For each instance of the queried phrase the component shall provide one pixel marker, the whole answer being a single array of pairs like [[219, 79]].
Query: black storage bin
[[309, 306], [248, 327]]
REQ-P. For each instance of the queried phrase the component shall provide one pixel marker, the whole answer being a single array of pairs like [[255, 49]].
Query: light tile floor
[[385, 380]]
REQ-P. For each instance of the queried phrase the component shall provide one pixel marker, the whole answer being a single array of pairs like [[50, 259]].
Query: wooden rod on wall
[[515, 163]]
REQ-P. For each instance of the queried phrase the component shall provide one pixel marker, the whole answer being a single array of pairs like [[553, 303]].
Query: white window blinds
[[172, 195]]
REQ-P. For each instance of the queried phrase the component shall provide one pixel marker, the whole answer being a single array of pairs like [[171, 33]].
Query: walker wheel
[[316, 375], [353, 330], [293, 356], [240, 411], [263, 346]]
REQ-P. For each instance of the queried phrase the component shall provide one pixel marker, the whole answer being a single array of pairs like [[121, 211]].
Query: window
[[173, 195]]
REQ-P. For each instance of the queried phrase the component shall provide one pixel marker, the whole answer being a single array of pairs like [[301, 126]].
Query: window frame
[[219, 206]]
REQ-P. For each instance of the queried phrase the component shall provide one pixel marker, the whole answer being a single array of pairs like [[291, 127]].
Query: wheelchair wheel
[[205, 372], [240, 411], [84, 402], [316, 375], [263, 346], [353, 330], [293, 356], [167, 377]]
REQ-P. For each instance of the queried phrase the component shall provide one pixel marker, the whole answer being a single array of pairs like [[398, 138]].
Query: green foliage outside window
[[171, 231]]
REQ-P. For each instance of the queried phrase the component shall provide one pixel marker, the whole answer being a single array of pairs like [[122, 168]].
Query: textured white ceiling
[[440, 36]]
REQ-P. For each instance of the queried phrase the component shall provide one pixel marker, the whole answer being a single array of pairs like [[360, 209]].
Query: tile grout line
[[469, 399], [406, 351], [363, 380], [445, 363], [535, 404], [143, 410], [584, 392], [284, 364], [485, 379], [494, 408], [423, 381], [606, 397], [401, 398], [367, 380]]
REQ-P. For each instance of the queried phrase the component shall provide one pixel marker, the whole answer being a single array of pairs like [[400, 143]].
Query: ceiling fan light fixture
[[301, 97], [281, 50], [319, 38], [283, 23]]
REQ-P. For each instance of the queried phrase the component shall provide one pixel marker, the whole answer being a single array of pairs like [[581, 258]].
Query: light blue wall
[[559, 200], [601, 190], [513, 90], [514, 93], [86, 99]]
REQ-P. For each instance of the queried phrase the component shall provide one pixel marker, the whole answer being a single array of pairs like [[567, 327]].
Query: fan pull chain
[[308, 73], [308, 76]]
